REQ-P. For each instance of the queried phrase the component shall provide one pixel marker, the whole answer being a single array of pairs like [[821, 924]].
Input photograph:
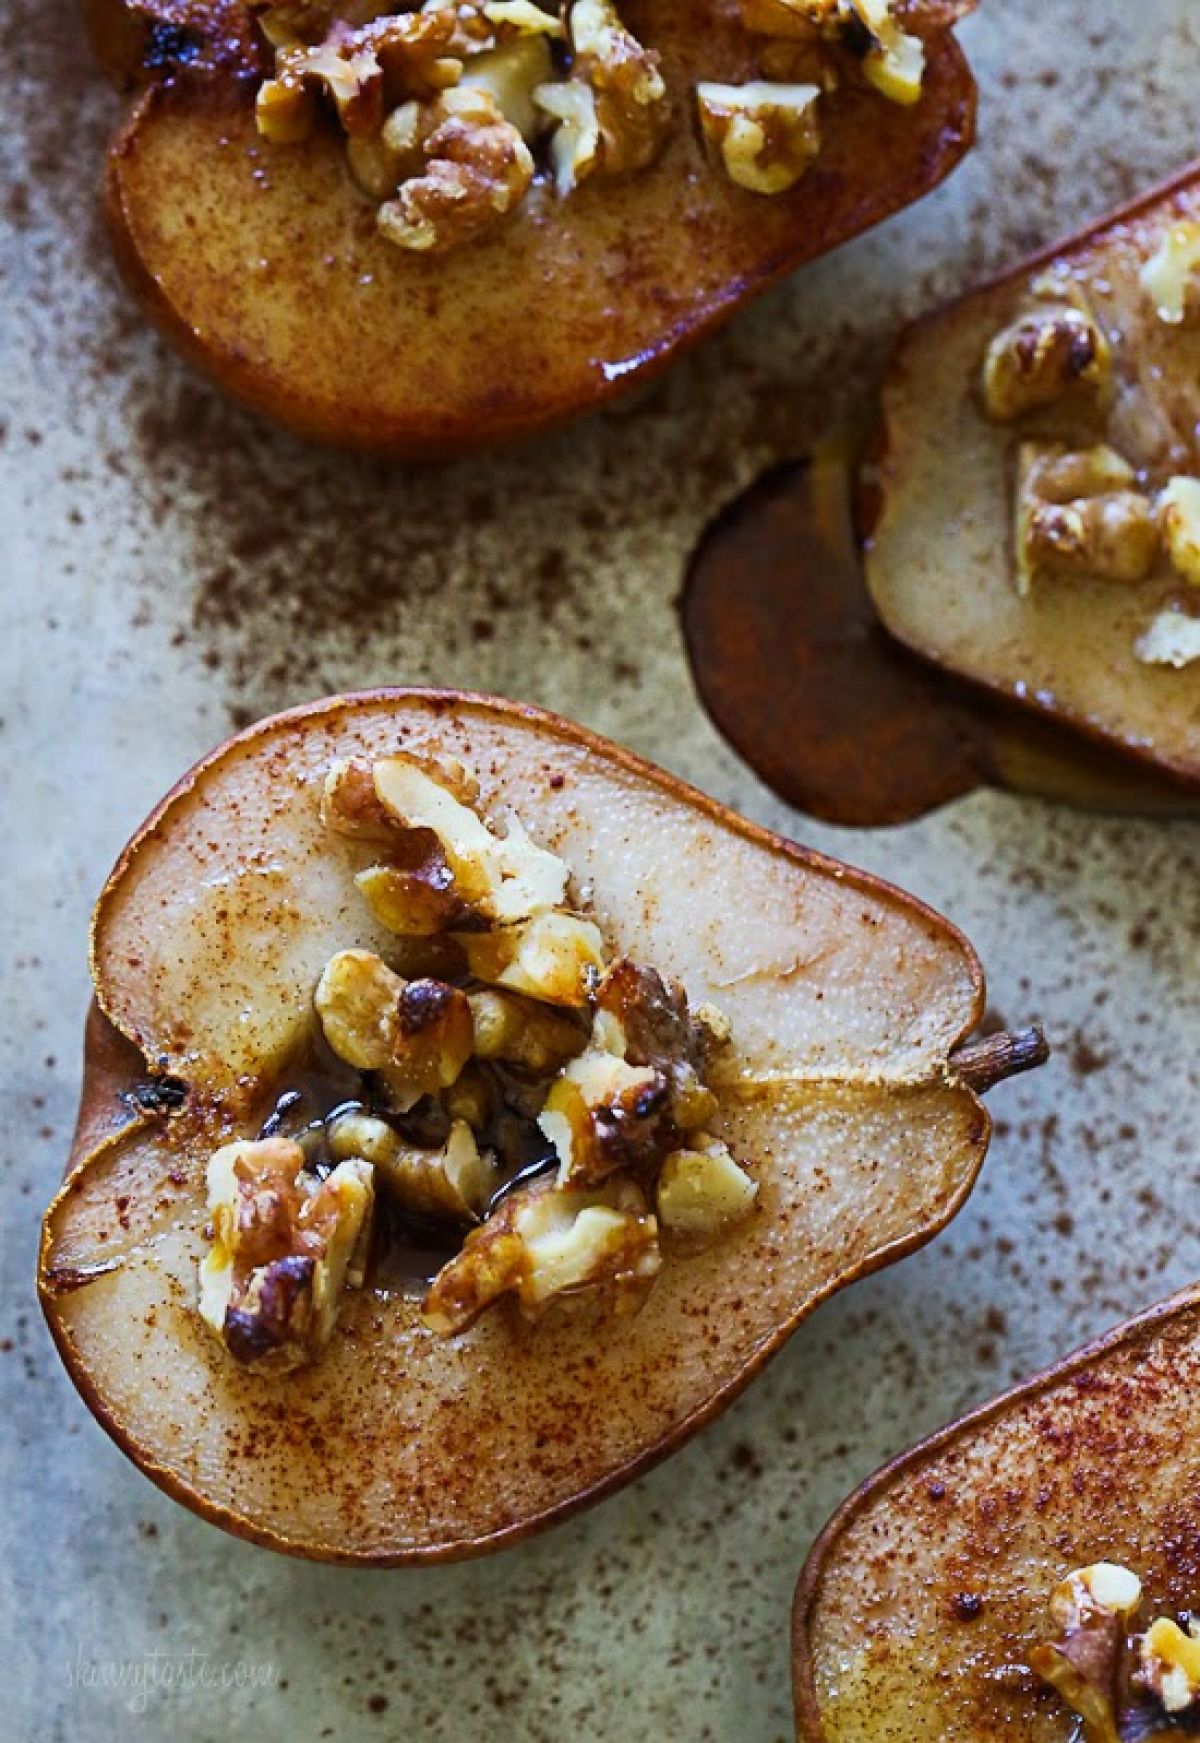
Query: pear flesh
[[1110, 644], [273, 277], [945, 1573], [841, 1086]]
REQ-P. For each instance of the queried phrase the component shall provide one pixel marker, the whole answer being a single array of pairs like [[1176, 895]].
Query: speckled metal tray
[[171, 568]]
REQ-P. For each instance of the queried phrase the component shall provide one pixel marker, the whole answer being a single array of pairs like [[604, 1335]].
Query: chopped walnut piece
[[510, 74], [657, 1028], [1169, 1665], [605, 1116], [285, 108], [1179, 512], [613, 111], [284, 1243], [415, 51], [554, 956], [523, 1031], [480, 25], [363, 70], [351, 806], [1171, 276], [287, 22], [477, 170], [455, 1181], [633, 1095], [413, 894], [765, 135], [416, 1034], [1077, 513], [702, 1190], [544, 1243], [358, 1002], [506, 877], [1092, 1608], [893, 59], [1054, 347], [1173, 639], [575, 147]]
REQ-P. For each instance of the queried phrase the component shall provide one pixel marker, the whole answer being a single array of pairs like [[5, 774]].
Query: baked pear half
[[792, 663], [1033, 513], [1030, 1572], [424, 230], [470, 1110]]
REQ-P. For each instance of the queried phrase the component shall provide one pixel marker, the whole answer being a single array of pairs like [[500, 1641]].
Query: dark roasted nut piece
[[545, 1243], [284, 1243], [605, 1116], [658, 1029], [637, 1091], [1052, 348]]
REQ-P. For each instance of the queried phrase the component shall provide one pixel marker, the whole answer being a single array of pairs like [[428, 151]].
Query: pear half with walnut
[[842, 1110], [1034, 517], [933, 1603], [545, 262], [791, 661]]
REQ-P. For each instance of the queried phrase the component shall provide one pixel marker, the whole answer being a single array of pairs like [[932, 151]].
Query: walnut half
[[475, 171]]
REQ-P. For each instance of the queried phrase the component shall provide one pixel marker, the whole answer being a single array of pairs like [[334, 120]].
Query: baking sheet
[[172, 568]]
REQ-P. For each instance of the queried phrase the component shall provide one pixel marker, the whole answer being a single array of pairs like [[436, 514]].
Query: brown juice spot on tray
[[790, 660]]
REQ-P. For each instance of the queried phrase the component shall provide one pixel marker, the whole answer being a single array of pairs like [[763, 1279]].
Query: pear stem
[[983, 1063]]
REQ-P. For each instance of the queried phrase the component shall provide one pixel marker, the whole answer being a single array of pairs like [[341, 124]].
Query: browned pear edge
[[810, 1726], [108, 1051], [271, 398], [1187, 772]]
